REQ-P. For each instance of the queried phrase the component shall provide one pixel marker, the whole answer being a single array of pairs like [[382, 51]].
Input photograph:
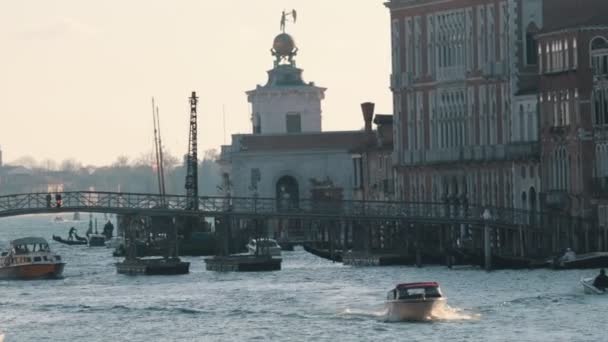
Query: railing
[[153, 204]]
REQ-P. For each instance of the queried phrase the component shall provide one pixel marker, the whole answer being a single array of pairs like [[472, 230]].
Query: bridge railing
[[149, 203]]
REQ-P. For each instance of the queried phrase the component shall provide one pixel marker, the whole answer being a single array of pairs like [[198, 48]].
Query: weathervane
[[284, 17]]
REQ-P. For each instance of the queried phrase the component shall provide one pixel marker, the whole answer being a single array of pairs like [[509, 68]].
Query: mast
[[161, 158], [192, 158], [156, 154]]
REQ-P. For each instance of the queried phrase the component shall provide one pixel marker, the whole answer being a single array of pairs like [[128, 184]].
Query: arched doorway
[[287, 193]]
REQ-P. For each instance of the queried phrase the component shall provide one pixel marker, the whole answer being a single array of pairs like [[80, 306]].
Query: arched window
[[599, 56]]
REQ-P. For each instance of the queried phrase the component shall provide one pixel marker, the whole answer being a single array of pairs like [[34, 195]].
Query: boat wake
[[441, 313], [448, 313], [380, 313]]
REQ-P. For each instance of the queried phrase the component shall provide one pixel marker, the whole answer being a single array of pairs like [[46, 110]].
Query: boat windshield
[[267, 243], [415, 293]]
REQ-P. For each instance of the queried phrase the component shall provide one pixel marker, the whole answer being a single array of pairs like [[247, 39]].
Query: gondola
[[79, 240]]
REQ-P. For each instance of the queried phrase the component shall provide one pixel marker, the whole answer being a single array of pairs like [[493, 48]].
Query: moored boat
[[413, 301], [69, 242], [97, 240], [583, 261], [264, 246], [30, 258]]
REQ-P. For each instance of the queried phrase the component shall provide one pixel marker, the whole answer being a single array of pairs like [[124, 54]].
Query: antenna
[[224, 119]]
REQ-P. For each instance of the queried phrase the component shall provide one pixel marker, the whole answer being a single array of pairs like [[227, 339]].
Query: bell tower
[[285, 104]]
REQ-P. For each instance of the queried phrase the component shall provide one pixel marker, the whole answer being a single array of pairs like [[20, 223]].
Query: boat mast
[[161, 158], [156, 154]]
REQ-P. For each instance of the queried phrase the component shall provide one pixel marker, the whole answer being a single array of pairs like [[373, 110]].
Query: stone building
[[573, 96], [287, 155], [464, 78]]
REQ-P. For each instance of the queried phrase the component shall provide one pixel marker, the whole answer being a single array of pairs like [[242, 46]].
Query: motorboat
[[582, 261], [589, 288], [30, 258], [264, 246], [413, 301]]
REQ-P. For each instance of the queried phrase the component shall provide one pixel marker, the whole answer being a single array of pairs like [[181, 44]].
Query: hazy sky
[[77, 77]]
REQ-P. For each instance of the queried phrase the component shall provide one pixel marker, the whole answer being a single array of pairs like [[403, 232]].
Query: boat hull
[[585, 261], [153, 267], [32, 271], [412, 310], [589, 288]]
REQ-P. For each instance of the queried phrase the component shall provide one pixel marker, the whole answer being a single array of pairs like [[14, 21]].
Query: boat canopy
[[29, 241], [420, 285]]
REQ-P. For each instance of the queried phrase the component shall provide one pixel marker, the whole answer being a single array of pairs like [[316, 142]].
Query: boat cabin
[[414, 291], [28, 250]]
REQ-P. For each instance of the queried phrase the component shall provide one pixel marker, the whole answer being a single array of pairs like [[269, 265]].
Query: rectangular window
[[293, 123]]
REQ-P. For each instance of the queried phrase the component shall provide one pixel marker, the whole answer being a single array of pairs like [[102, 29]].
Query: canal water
[[311, 299]]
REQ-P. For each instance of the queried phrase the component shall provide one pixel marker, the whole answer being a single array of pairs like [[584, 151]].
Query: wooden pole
[[487, 247]]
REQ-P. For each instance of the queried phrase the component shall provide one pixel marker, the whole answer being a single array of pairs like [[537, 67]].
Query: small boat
[[589, 288], [264, 246], [582, 261], [70, 242], [59, 219], [413, 301], [30, 258], [97, 240]]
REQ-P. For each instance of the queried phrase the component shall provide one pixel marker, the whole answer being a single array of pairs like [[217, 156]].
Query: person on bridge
[[601, 281], [58, 200], [49, 198], [71, 233]]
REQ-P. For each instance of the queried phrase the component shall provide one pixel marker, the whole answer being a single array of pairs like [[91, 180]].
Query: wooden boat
[[69, 242], [30, 258], [324, 253], [583, 261], [413, 301]]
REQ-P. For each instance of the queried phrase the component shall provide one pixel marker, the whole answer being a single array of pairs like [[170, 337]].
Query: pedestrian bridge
[[254, 207]]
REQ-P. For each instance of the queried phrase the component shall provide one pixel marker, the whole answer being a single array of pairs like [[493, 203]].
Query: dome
[[283, 44]]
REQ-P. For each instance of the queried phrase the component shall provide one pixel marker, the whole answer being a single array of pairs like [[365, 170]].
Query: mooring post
[[418, 246], [487, 246]]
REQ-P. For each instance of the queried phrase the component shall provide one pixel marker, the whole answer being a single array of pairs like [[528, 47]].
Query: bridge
[[254, 207], [376, 226]]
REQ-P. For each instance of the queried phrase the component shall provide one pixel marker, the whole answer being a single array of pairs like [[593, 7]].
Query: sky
[[77, 77]]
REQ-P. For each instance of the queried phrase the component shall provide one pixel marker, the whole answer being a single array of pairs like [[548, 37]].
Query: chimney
[[368, 114]]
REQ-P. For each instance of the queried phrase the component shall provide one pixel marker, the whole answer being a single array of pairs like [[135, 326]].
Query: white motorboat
[[589, 288], [413, 301], [264, 246]]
